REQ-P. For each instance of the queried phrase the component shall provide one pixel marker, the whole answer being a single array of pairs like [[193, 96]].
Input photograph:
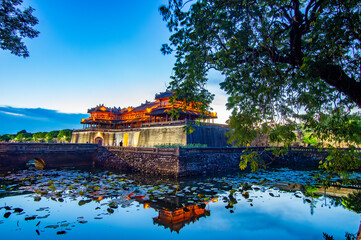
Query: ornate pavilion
[[147, 114], [150, 124]]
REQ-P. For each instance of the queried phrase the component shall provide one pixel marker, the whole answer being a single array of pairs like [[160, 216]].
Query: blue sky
[[92, 52], [36, 120]]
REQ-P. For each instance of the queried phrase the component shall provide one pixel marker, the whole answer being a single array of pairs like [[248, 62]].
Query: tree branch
[[336, 77]]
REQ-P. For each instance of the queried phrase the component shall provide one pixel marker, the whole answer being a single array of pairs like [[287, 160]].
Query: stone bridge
[[14, 156]]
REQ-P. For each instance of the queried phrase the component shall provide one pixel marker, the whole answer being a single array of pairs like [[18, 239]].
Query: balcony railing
[[154, 124]]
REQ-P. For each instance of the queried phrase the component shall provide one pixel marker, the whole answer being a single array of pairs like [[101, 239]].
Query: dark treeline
[[52, 137]]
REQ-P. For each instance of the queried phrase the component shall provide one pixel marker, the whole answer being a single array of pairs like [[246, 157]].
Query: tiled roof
[[184, 112], [163, 95], [102, 108], [91, 121], [144, 106]]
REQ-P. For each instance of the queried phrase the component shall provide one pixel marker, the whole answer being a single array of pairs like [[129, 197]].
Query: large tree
[[284, 62], [15, 25]]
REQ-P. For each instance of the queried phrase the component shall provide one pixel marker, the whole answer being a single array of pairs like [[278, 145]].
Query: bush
[[168, 145], [175, 145]]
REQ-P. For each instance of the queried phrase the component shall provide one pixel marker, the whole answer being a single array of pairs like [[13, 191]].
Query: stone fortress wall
[[212, 136]]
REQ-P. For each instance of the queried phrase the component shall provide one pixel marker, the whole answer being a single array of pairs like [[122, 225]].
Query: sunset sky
[[93, 52]]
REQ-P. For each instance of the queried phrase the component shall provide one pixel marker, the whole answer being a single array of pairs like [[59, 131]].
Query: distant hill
[[13, 120]]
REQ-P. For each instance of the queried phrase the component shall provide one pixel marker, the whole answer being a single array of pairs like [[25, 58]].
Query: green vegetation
[[24, 136], [310, 140], [310, 191], [16, 24], [65, 134], [198, 145], [50, 136], [168, 145], [286, 65], [353, 202]]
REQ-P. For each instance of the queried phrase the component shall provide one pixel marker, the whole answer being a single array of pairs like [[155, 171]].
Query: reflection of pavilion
[[175, 220], [172, 214]]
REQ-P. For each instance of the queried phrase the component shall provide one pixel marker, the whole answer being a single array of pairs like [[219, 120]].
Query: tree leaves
[[265, 54], [16, 24], [287, 66], [352, 202]]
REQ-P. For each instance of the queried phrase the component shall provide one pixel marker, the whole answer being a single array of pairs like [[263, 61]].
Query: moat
[[82, 204]]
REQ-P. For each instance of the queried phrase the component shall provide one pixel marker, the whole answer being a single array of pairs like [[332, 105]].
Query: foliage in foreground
[[286, 64], [353, 202], [16, 24]]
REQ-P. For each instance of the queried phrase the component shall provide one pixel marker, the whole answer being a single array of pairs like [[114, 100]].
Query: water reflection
[[176, 219], [266, 204]]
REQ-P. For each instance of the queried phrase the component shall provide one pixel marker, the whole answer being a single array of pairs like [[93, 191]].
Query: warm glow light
[[130, 114], [100, 198], [146, 206]]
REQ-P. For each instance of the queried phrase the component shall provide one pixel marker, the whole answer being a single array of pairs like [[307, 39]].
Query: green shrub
[[175, 145], [196, 145]]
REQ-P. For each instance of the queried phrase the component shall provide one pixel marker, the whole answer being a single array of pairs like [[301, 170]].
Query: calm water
[[76, 204]]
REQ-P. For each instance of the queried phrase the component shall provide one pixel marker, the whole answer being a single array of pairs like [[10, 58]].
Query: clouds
[[13, 114], [13, 120]]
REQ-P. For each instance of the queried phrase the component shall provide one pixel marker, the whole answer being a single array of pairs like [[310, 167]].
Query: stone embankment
[[156, 161], [108, 159], [180, 162], [176, 162]]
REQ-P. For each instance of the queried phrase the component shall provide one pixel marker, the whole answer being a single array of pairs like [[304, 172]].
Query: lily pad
[[52, 226], [82, 202], [18, 210], [30, 218]]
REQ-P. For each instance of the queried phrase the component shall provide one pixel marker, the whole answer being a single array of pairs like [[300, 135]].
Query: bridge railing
[[311, 149], [46, 146], [161, 151], [185, 150]]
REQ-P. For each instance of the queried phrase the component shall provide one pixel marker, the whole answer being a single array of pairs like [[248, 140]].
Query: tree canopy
[[24, 136], [65, 135], [284, 62], [15, 25], [50, 136]]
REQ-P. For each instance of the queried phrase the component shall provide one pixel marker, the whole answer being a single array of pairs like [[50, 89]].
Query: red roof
[[144, 106]]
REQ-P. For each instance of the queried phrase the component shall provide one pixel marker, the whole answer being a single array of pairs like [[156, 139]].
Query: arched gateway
[[98, 140]]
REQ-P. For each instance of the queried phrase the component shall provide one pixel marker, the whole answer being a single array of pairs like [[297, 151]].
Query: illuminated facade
[[144, 115], [150, 124]]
